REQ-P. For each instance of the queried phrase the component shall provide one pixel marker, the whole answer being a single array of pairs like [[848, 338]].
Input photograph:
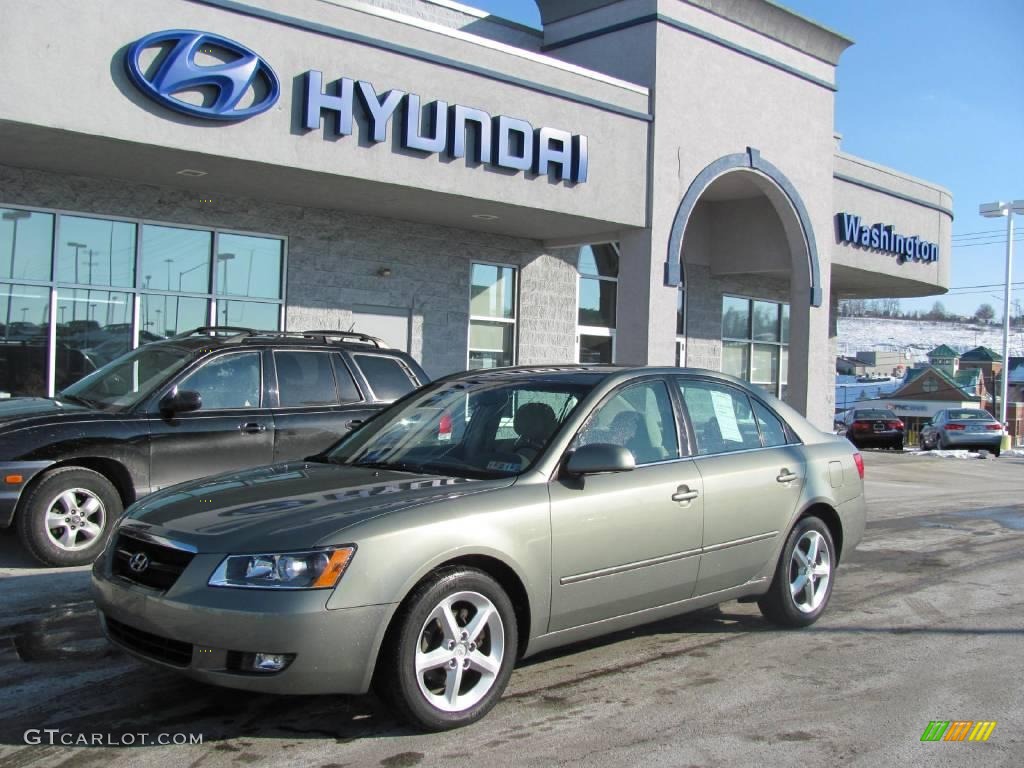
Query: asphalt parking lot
[[926, 623]]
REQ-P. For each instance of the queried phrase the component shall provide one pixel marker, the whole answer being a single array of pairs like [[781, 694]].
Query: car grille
[[152, 646], [163, 567]]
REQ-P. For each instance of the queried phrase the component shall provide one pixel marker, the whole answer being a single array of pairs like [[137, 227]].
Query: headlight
[[318, 569]]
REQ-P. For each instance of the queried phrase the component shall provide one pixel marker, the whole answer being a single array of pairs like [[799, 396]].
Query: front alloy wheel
[[450, 650], [802, 584]]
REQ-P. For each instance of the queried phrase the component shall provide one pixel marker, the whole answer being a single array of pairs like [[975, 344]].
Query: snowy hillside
[[918, 337]]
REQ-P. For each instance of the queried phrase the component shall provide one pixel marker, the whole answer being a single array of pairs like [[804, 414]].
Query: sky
[[935, 89]]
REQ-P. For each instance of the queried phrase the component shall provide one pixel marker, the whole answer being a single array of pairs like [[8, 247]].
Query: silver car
[[484, 518], [971, 428]]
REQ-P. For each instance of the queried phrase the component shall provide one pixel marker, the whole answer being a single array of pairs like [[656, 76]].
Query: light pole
[[78, 249], [14, 217], [995, 211], [224, 258]]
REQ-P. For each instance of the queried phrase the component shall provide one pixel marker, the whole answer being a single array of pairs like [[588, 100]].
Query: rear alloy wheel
[[451, 652], [802, 585], [67, 517]]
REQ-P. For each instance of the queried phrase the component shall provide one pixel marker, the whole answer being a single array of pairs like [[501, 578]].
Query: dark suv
[[207, 401]]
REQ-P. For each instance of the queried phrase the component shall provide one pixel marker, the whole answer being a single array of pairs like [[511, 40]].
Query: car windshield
[[475, 429], [126, 381], [967, 415], [873, 413]]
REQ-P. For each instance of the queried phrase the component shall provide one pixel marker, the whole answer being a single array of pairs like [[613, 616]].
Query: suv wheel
[[452, 650], [803, 579], [67, 517]]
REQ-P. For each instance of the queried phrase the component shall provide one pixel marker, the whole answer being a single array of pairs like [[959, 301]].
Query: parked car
[[874, 427], [486, 517], [971, 428], [206, 401]]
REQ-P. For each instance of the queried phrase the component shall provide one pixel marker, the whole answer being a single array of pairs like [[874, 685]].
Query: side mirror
[[600, 457], [181, 401]]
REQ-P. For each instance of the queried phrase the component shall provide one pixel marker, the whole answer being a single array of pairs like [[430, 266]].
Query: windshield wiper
[[77, 399], [396, 466]]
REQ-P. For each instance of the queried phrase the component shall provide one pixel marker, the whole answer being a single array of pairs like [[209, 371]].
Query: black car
[[875, 427], [207, 401]]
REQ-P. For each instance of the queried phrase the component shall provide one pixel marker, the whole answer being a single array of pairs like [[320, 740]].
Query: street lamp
[[995, 211], [14, 217], [224, 258]]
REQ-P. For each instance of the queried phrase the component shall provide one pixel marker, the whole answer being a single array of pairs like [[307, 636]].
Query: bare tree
[[985, 313]]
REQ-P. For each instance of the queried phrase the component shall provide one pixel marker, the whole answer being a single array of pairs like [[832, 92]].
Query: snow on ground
[[918, 337], [961, 454]]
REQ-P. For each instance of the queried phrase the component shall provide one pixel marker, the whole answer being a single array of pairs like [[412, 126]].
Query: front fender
[[11, 492]]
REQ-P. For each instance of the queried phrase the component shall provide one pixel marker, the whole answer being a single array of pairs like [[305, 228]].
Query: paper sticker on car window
[[726, 416]]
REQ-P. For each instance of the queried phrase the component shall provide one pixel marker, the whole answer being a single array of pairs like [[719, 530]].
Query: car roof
[[585, 373]]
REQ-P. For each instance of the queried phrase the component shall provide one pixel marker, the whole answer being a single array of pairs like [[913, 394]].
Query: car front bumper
[[10, 493], [203, 631]]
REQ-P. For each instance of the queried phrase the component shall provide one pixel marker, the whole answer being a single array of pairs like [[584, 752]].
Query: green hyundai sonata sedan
[[486, 517]]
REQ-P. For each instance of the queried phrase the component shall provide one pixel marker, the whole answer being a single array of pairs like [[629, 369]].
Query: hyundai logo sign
[[177, 71], [138, 562]]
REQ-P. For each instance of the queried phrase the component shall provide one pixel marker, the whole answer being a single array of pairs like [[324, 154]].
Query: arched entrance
[[742, 249]]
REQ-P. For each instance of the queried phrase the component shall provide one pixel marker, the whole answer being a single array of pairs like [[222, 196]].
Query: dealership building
[[641, 181]]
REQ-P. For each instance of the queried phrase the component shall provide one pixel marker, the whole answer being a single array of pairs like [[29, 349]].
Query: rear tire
[[802, 585], [67, 517], [450, 650]]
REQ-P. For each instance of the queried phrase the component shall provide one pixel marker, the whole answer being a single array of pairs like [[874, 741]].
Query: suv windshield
[[129, 379], [464, 428]]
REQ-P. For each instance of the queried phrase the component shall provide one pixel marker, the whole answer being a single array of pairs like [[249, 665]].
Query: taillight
[[993, 427], [859, 461], [861, 426], [955, 427], [894, 424]]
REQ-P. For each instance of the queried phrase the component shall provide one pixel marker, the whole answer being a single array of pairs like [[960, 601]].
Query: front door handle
[[785, 476], [253, 428], [683, 493]]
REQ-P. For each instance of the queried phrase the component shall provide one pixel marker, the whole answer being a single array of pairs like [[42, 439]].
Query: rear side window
[[347, 388], [387, 377], [305, 379], [721, 417], [772, 431]]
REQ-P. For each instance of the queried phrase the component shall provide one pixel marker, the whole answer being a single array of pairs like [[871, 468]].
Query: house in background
[[990, 363], [940, 384]]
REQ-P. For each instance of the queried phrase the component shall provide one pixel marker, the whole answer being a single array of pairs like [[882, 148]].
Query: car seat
[[534, 423]]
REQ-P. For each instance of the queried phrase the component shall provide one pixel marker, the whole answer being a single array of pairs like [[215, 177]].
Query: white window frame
[[513, 321], [783, 377], [597, 330]]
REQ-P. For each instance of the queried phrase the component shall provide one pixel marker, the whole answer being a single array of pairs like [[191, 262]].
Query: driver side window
[[226, 382], [638, 418]]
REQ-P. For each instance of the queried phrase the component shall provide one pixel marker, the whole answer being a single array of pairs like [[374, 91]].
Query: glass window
[[132, 378], [249, 266], [26, 244], [161, 315], [772, 431], [24, 361], [766, 321], [595, 349], [736, 358], [764, 366], [175, 259], [599, 260], [96, 252], [681, 311], [387, 377], [347, 388], [735, 318], [721, 417], [784, 323], [639, 418], [249, 314], [93, 327], [228, 381], [305, 378], [597, 302], [492, 308]]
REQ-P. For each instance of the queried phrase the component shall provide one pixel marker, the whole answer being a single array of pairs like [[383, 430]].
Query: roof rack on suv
[[344, 335], [245, 333]]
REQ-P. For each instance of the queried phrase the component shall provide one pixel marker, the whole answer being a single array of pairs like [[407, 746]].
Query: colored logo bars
[[958, 730]]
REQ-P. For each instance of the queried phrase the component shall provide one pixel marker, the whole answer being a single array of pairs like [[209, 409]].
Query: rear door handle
[[353, 424], [253, 428], [683, 493], [785, 476]]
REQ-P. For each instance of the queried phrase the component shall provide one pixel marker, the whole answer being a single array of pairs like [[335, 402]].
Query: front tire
[[802, 585], [451, 650], [67, 517]]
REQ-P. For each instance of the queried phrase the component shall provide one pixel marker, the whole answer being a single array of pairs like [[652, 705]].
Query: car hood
[[288, 506], [24, 409]]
